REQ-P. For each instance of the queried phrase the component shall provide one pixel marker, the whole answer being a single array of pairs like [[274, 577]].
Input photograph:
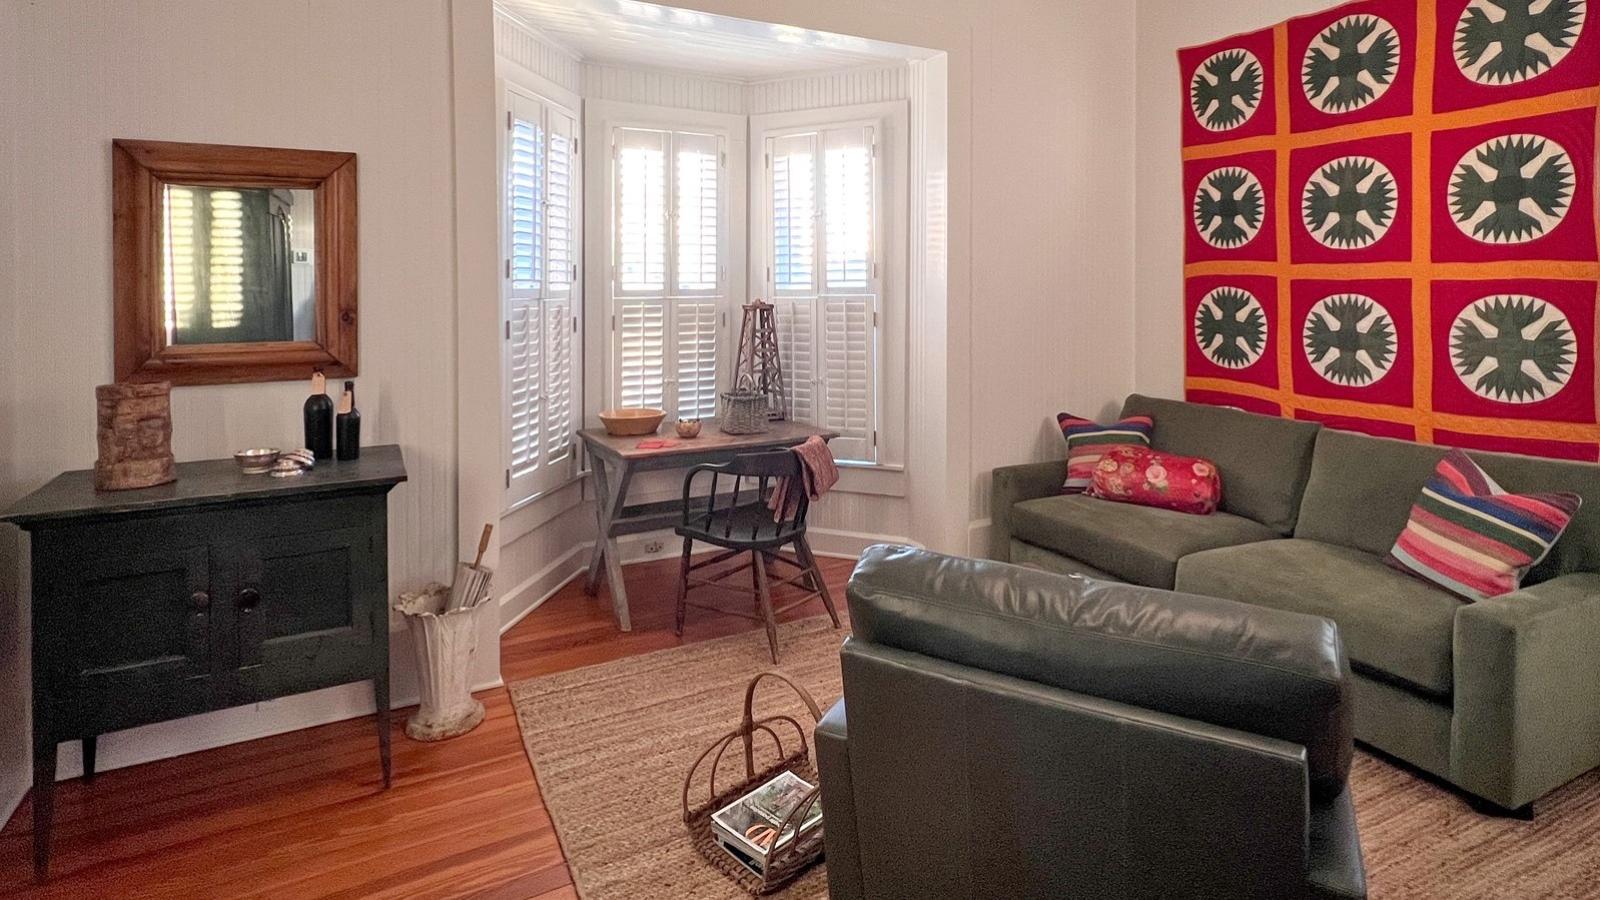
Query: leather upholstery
[[1014, 733], [1271, 672]]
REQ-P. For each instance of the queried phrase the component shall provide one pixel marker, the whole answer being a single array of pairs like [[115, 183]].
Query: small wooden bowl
[[256, 461], [631, 421], [688, 428]]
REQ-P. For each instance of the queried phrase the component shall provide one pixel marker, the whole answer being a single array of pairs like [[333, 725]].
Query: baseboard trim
[[542, 585], [207, 731]]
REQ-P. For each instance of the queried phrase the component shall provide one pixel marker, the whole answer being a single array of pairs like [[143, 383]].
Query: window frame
[[549, 474], [602, 121], [890, 123]]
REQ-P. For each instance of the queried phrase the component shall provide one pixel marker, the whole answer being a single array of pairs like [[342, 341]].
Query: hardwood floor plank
[[301, 814]]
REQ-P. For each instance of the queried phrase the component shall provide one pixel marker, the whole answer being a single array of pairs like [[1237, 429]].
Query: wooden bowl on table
[[631, 421]]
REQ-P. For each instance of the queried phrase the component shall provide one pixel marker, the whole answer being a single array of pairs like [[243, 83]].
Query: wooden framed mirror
[[233, 264]]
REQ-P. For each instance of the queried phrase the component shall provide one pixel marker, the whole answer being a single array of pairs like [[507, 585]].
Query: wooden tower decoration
[[757, 366]]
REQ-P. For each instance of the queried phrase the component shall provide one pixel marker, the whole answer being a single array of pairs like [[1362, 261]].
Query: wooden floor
[[301, 815]]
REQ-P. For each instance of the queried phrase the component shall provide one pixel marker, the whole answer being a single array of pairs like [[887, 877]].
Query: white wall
[[334, 74], [1163, 27]]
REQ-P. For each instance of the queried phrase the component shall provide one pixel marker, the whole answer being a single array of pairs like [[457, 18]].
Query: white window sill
[[528, 514], [871, 478]]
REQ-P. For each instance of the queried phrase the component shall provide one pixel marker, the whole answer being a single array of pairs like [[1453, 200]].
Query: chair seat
[[1141, 544], [1394, 626], [747, 526]]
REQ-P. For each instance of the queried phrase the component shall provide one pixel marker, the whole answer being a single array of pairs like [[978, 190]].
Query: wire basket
[[786, 861], [744, 412]]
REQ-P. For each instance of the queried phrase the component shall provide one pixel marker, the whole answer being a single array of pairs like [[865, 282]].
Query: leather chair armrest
[[1527, 689], [1012, 485], [840, 838]]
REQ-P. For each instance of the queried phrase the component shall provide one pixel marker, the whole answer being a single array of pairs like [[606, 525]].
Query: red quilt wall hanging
[[1392, 221]]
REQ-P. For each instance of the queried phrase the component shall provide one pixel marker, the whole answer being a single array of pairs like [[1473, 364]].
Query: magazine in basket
[[748, 827]]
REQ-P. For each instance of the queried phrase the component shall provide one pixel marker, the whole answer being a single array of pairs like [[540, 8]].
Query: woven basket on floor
[[786, 862]]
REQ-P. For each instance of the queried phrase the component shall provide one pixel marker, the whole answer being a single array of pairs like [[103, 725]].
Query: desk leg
[[608, 506], [44, 801]]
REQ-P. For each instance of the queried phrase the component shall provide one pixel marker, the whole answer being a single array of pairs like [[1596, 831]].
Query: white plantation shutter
[[824, 234], [541, 193], [669, 231]]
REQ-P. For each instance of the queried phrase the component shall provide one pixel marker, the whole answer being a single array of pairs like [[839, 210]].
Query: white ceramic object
[[444, 643]]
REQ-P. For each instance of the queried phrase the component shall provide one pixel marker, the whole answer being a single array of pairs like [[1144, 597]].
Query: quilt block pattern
[[1393, 222]]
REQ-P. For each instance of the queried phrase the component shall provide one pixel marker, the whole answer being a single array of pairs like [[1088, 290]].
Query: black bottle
[[319, 419], [347, 424]]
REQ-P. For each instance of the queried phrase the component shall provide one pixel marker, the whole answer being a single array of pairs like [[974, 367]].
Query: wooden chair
[[739, 521]]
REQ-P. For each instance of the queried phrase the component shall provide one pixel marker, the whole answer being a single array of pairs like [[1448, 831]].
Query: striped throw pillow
[[1470, 537], [1088, 441]]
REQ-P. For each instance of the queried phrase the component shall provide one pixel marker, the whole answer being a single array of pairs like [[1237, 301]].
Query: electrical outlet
[[652, 547]]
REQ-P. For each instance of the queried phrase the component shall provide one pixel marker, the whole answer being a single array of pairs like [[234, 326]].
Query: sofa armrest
[[1012, 485], [1527, 689], [840, 838]]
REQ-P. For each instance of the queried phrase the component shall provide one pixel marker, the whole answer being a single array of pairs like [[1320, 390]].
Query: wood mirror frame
[[140, 171]]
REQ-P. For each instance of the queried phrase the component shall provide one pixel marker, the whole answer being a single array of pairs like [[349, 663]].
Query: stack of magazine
[[748, 827]]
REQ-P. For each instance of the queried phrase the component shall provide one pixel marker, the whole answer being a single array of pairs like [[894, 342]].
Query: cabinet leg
[[44, 803], [380, 696], [89, 747]]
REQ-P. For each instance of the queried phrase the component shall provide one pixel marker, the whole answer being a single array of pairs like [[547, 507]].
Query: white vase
[[444, 643]]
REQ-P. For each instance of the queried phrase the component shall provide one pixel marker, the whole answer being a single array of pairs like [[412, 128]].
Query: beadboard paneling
[[525, 47], [660, 88], [825, 89]]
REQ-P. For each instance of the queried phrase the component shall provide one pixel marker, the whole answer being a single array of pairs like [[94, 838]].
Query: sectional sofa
[[1499, 697]]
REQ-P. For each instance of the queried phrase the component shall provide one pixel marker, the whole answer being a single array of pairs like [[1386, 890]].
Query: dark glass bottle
[[347, 424], [319, 419]]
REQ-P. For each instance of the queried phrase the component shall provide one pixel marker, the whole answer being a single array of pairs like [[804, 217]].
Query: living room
[[1170, 428]]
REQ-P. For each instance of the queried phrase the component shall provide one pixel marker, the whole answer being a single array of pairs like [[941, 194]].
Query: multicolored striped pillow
[[1088, 441], [1470, 537]]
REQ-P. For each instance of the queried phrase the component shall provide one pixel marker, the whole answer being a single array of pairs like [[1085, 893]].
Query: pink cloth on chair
[[818, 474]]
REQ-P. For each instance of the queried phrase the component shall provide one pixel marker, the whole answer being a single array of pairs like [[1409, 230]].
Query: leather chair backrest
[[1264, 671]]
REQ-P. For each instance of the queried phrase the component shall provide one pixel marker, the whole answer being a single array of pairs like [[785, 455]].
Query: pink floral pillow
[[1150, 478]]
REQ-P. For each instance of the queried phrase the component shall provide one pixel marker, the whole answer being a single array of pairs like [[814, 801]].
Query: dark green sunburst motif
[[1513, 348], [1347, 50], [1350, 202], [1515, 57], [1228, 207], [1350, 339], [1230, 327], [1495, 198], [1226, 89]]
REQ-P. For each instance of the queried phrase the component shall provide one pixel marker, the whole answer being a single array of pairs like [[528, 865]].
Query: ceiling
[[627, 32]]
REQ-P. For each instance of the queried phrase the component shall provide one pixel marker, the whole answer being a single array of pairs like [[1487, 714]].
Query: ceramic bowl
[[688, 428], [631, 421], [256, 460]]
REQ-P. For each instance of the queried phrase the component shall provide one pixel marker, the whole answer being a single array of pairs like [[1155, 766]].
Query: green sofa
[[1499, 697]]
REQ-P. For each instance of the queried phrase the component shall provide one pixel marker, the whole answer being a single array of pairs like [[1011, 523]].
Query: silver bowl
[[256, 460]]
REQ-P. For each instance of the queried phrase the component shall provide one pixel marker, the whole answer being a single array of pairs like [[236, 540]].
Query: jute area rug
[[611, 743]]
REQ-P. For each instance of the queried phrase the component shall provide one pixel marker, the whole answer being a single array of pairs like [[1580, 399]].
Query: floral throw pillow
[[1088, 440], [1151, 478]]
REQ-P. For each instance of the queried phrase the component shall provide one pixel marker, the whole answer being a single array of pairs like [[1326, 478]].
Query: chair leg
[[764, 597], [683, 586], [815, 572]]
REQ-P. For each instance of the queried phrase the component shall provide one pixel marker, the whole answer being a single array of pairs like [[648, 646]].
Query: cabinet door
[[302, 609], [128, 635]]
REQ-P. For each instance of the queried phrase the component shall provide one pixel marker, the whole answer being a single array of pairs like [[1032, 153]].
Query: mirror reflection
[[239, 264]]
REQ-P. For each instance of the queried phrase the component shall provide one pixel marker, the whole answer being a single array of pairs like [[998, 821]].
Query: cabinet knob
[[200, 600], [247, 599]]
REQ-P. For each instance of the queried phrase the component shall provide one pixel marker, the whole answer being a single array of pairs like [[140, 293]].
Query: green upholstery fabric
[[1012, 485], [1362, 489], [1528, 690], [1394, 626], [1404, 724], [1026, 554], [1140, 544], [1264, 460]]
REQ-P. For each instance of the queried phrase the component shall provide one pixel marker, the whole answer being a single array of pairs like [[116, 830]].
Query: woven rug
[[611, 743]]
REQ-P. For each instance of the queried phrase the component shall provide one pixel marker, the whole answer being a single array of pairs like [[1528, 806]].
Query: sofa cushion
[[1088, 440], [1362, 488], [1265, 671], [1141, 544], [1147, 477], [1394, 626], [1264, 460]]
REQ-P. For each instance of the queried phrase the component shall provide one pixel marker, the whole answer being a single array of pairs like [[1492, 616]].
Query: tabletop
[[710, 440]]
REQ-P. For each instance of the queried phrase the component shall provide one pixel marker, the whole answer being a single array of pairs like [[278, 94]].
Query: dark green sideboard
[[216, 590]]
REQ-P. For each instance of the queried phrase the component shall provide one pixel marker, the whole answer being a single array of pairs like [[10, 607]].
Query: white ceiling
[[627, 32]]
